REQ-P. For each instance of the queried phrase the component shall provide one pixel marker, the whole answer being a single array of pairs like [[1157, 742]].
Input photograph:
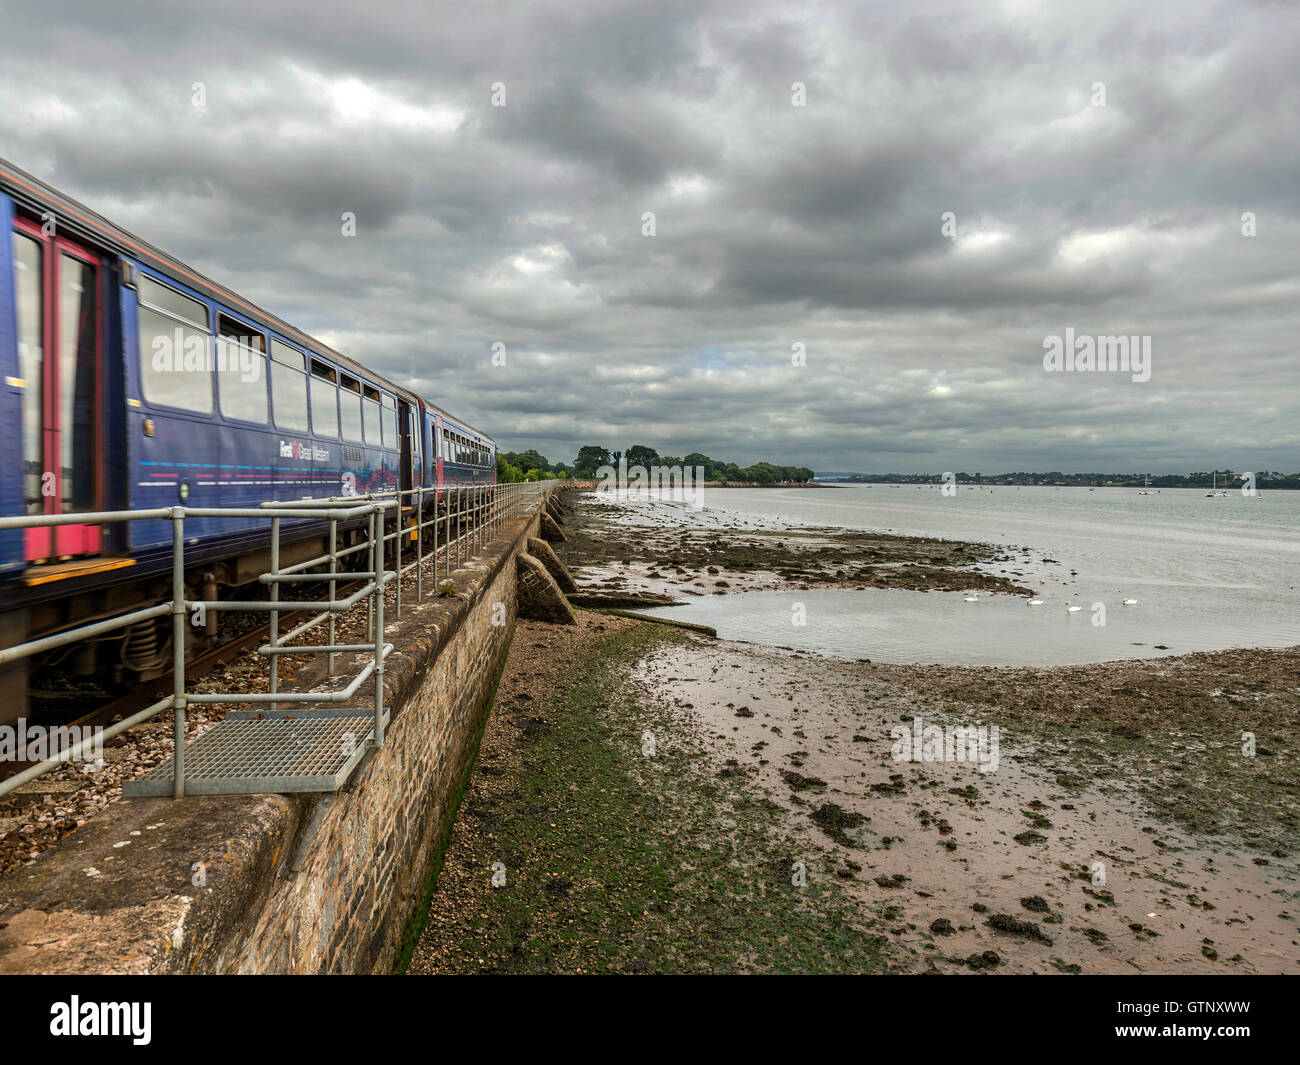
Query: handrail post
[[275, 614], [419, 543], [379, 640], [178, 652], [397, 553], [333, 584], [370, 599]]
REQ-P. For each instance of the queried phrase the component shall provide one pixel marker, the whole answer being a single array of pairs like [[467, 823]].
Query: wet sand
[[1144, 815], [1092, 875]]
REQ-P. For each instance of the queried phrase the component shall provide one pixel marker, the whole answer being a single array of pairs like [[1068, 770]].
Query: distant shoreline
[[769, 484], [1011, 484]]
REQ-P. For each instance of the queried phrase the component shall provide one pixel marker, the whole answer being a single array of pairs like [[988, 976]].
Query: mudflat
[[660, 801]]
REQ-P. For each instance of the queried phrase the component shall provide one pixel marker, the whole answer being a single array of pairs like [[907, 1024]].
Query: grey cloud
[[776, 224]]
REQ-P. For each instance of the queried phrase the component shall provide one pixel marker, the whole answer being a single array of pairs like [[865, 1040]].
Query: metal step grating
[[255, 752]]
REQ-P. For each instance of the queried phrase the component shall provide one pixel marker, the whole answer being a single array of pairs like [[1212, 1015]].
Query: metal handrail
[[470, 514]]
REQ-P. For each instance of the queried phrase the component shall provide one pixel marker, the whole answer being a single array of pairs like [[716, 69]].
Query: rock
[[550, 530], [1004, 922], [544, 554], [540, 597]]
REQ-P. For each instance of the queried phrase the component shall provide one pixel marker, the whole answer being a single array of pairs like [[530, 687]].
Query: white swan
[[973, 598], [1034, 602], [1071, 609], [1130, 602]]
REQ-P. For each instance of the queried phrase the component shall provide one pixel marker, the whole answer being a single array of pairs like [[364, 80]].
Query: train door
[[60, 351], [410, 445], [439, 448]]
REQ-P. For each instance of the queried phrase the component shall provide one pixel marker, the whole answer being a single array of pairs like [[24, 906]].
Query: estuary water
[[1206, 573]]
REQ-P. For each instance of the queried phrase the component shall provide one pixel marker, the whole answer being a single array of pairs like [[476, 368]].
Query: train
[[130, 381]]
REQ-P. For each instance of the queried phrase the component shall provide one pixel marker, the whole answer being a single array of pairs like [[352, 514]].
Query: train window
[[324, 400], [241, 368], [287, 355], [171, 302], [175, 359], [240, 333], [76, 354], [370, 405], [288, 387], [30, 301], [350, 407], [389, 417]]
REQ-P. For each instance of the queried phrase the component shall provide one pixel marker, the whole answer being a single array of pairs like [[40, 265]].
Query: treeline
[[591, 458], [1264, 479], [514, 466]]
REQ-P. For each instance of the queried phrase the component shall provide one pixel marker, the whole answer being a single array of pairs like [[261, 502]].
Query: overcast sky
[[1097, 159]]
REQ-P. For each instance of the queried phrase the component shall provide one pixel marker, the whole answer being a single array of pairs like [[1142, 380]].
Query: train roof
[[80, 220]]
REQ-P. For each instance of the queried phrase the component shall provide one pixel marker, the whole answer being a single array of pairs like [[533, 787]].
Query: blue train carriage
[[130, 381], [270, 418], [167, 388], [464, 455]]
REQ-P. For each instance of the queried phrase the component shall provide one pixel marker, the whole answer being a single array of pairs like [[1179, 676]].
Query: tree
[[590, 459], [529, 460], [640, 455], [506, 472]]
